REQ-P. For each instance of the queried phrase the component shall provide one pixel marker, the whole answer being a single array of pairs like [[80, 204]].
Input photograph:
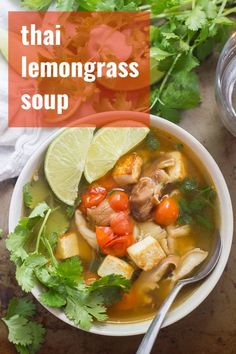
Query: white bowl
[[226, 228]]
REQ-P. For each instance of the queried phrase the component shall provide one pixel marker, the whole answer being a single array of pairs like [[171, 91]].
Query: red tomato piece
[[93, 197], [112, 244], [167, 212], [118, 246], [121, 223], [104, 235], [119, 201]]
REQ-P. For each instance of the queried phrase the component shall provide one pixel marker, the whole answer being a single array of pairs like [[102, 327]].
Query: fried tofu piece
[[146, 254], [67, 246], [115, 265], [128, 169], [178, 171]]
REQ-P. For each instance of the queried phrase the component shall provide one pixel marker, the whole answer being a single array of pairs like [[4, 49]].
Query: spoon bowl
[[203, 271]]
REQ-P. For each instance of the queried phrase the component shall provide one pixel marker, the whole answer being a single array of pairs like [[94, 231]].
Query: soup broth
[[199, 237]]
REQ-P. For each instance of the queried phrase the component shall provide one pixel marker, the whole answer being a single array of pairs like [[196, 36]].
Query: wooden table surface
[[211, 328]]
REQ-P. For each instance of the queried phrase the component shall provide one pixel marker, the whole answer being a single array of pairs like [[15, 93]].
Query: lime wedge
[[65, 160], [108, 145]]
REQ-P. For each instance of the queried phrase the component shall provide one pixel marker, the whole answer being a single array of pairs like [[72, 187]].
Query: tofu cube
[[178, 171], [67, 246], [146, 254], [115, 265], [128, 169]]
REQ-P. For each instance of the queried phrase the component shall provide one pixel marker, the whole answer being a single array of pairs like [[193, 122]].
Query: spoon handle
[[154, 328]]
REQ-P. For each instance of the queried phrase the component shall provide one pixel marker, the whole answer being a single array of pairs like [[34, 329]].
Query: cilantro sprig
[[196, 204], [27, 335], [31, 247]]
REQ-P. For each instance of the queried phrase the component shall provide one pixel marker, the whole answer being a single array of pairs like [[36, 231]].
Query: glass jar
[[226, 84]]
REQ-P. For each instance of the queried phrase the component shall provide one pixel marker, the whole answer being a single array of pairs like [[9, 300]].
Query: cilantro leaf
[[27, 197], [52, 239], [19, 330], [66, 5], [152, 142], [70, 210], [25, 272], [179, 146], [171, 114], [187, 62], [158, 54], [196, 19], [196, 205], [209, 7], [39, 210], [22, 307], [38, 334], [27, 335], [110, 280], [110, 287], [205, 222], [52, 298], [48, 277], [82, 309], [18, 238], [182, 92], [117, 5], [36, 4], [70, 269], [188, 185]]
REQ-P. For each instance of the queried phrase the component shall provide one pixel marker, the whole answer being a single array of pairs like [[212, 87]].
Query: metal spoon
[[154, 328]]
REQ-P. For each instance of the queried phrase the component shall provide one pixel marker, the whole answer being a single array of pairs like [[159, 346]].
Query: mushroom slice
[[165, 161], [178, 230], [188, 262], [171, 242], [84, 230], [149, 228], [148, 281], [165, 246], [154, 172]]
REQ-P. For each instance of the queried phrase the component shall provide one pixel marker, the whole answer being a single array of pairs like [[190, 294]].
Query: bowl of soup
[[143, 218]]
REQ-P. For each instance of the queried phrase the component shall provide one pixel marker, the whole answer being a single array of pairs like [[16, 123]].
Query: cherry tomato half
[[166, 212], [93, 197], [119, 200], [121, 223], [118, 246], [112, 244], [104, 235]]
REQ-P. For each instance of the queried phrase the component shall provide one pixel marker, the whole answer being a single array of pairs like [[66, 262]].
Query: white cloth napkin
[[16, 144]]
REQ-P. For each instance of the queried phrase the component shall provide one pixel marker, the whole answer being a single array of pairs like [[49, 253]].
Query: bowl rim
[[226, 228]]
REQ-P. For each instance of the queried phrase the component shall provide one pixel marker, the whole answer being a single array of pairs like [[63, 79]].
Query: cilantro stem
[[41, 229], [50, 251], [166, 78], [222, 8], [144, 7], [229, 11]]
